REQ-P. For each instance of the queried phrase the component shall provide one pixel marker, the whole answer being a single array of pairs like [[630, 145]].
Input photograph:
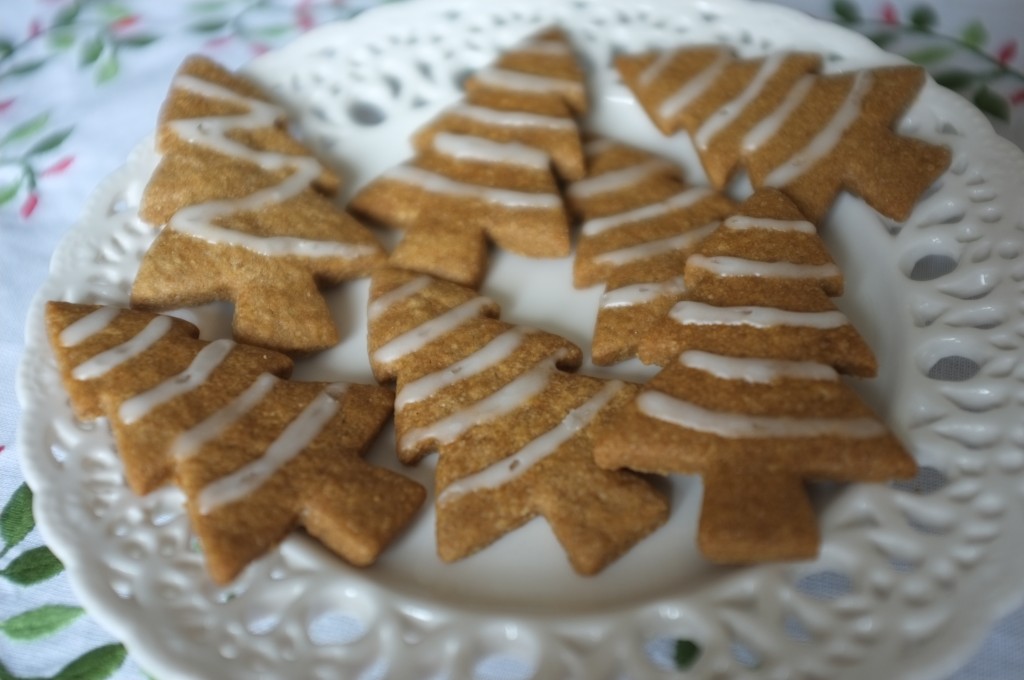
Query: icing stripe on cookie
[[756, 370], [729, 112], [517, 81], [689, 313], [439, 184], [680, 413], [649, 249], [381, 304], [501, 402], [680, 201], [641, 293], [489, 116], [656, 68], [470, 148], [212, 132], [743, 222], [188, 443], [306, 427], [617, 179], [198, 372], [88, 326], [723, 265], [695, 86], [115, 356], [826, 140], [415, 339], [488, 356], [507, 469], [553, 48], [770, 124]]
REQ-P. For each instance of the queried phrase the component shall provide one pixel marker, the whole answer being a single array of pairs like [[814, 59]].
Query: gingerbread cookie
[[485, 168], [512, 427], [760, 286], [463, 192], [755, 429], [118, 362], [809, 135], [258, 469], [245, 217], [255, 454]]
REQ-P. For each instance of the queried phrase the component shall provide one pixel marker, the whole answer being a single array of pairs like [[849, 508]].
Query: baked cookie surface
[[245, 215]]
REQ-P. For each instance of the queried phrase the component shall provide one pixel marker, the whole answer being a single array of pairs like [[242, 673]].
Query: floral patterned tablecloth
[[80, 84]]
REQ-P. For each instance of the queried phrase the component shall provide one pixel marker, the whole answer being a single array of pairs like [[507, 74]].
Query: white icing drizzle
[[500, 402], [616, 179], [641, 293], [655, 68], [489, 116], [518, 81], [439, 184], [770, 124], [744, 222], [98, 365], [470, 148], [508, 469], [88, 326], [212, 132], [728, 113], [695, 86], [680, 413], [756, 370], [649, 249], [828, 137], [416, 338], [197, 373], [723, 265], [188, 443], [488, 356], [680, 201], [306, 427], [689, 313], [553, 48], [381, 304]]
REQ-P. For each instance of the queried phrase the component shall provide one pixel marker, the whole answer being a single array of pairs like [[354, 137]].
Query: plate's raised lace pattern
[[910, 574]]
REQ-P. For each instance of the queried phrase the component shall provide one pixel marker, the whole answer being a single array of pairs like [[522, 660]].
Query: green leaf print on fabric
[[26, 129], [37, 623], [32, 566], [16, 519], [97, 664]]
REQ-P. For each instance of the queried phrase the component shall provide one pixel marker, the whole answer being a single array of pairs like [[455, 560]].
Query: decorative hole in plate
[[332, 627], [500, 667], [825, 585], [931, 267], [954, 369]]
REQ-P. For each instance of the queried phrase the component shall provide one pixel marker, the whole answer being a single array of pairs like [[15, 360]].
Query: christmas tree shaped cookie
[[760, 285], [809, 135], [750, 398], [256, 455], [485, 168], [513, 428], [245, 217], [640, 223]]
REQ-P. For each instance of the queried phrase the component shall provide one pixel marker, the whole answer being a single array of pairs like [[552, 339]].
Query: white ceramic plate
[[909, 577]]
